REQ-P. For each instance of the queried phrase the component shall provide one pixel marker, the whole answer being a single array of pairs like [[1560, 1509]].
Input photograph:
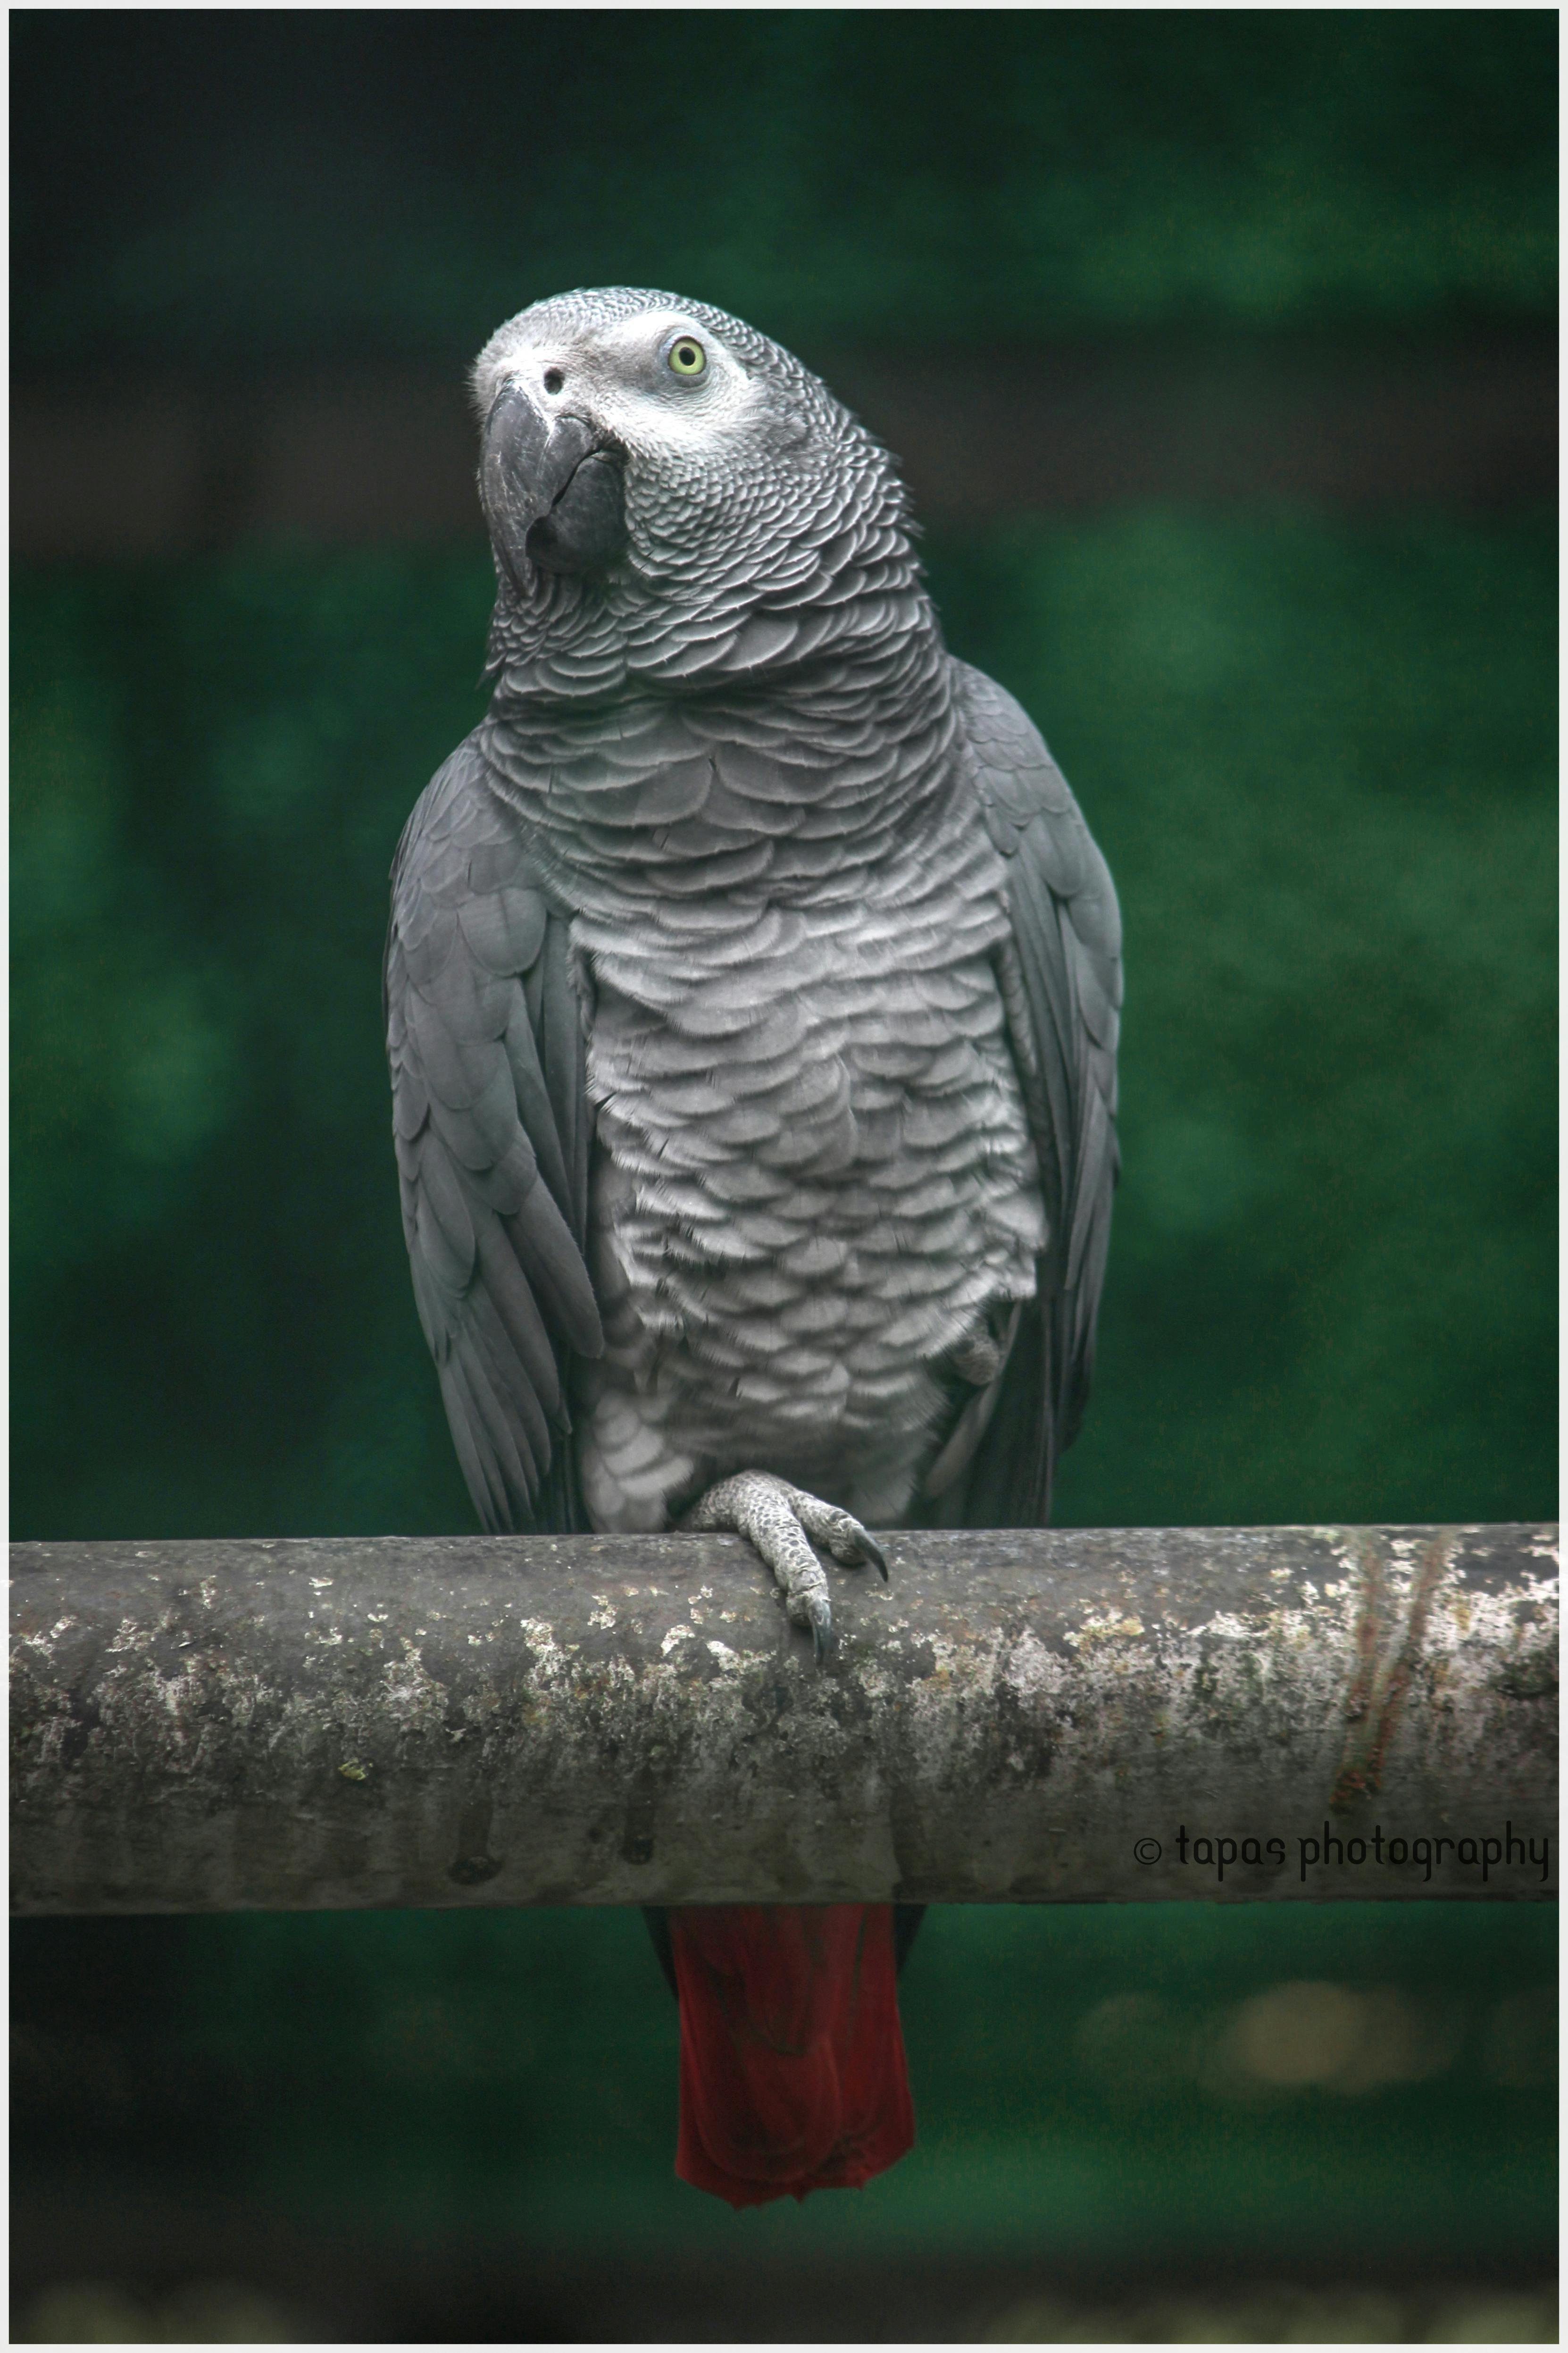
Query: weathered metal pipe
[[1019, 1717]]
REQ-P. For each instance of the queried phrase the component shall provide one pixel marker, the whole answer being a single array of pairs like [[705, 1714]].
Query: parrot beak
[[551, 488]]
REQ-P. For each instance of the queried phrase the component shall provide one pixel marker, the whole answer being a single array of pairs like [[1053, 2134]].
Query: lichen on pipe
[[1019, 1717]]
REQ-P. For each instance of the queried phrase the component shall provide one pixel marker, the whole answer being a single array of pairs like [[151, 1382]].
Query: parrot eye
[[685, 356]]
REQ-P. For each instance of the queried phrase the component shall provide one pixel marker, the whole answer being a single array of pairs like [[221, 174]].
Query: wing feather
[[486, 1041], [1063, 1003]]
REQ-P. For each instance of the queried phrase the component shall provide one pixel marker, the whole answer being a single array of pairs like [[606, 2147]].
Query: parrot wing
[[492, 1127], [1061, 986]]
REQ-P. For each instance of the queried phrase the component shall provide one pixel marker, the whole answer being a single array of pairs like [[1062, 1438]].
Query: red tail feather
[[792, 2056]]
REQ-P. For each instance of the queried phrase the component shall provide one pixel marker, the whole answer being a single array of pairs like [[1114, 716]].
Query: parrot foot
[[779, 1520]]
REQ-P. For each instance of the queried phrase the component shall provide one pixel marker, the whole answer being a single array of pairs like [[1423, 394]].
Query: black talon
[[874, 1553], [823, 1640]]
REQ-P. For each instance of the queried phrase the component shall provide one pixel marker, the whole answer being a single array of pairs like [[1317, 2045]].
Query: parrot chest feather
[[813, 1177]]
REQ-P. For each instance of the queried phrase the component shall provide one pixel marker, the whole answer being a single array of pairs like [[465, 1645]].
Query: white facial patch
[[617, 373], [645, 403]]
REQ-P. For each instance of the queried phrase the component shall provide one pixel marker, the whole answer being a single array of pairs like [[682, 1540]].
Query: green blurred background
[[1314, 733]]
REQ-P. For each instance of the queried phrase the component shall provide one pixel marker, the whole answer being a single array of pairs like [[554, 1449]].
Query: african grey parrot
[[752, 997]]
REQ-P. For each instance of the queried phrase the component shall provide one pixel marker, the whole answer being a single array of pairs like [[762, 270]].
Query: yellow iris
[[687, 356]]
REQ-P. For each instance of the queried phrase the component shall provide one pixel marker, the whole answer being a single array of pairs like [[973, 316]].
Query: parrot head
[[658, 476]]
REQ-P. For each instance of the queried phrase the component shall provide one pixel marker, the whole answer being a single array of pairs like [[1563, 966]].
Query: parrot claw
[[783, 1522]]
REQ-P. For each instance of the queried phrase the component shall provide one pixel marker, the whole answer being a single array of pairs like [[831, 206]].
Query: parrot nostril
[[553, 379]]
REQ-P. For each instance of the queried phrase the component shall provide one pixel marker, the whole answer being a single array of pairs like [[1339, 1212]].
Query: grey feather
[[499, 1279], [1067, 930], [753, 981]]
